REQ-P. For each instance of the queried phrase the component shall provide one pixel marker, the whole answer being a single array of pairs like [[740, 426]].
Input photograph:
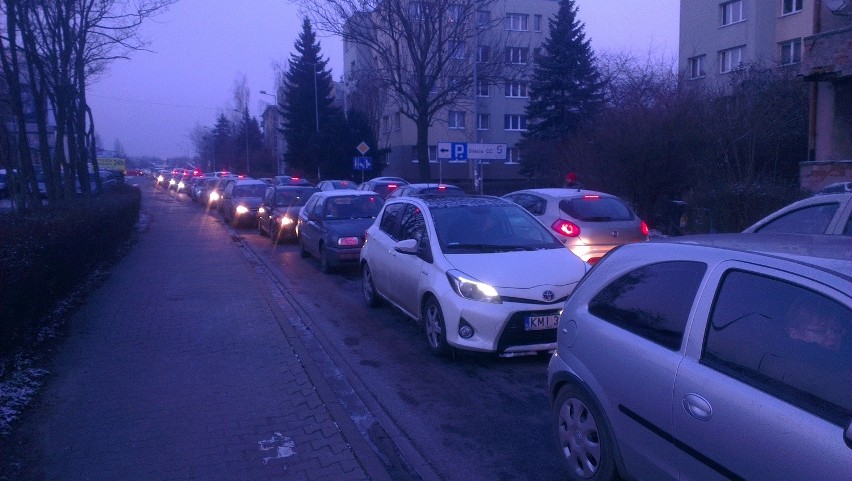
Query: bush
[[46, 254]]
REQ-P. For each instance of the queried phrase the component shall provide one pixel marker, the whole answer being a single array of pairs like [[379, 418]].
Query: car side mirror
[[407, 246]]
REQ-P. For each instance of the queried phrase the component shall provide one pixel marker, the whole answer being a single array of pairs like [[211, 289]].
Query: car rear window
[[592, 208]]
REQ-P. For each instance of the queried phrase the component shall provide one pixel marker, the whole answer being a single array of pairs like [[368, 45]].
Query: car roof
[[345, 193], [559, 193], [830, 252], [441, 201], [250, 182], [841, 198]]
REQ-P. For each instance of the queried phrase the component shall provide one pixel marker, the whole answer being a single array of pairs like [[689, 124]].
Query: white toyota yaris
[[479, 273]]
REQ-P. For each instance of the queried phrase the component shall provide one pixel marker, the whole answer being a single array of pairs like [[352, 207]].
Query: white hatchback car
[[480, 273], [588, 222], [724, 356]]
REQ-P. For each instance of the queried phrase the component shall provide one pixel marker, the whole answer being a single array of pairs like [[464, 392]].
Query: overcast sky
[[151, 102]]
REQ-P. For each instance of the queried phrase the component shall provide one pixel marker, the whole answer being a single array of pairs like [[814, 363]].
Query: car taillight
[[568, 229], [591, 197], [645, 229], [348, 241], [392, 186], [593, 260]]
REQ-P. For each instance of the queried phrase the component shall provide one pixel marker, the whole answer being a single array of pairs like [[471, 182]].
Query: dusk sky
[[151, 102]]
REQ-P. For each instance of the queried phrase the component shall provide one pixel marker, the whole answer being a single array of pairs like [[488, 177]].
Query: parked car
[[336, 184], [382, 185], [332, 224], [426, 189], [836, 188], [241, 200], [210, 191], [279, 211], [724, 356], [479, 273], [820, 214], [588, 222], [162, 177]]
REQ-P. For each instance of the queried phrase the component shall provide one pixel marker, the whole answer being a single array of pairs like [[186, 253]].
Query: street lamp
[[278, 149], [245, 125]]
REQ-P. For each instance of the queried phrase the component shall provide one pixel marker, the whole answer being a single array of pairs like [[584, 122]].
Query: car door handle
[[697, 407]]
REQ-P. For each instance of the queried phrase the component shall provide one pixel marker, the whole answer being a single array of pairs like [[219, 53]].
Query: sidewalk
[[179, 368]]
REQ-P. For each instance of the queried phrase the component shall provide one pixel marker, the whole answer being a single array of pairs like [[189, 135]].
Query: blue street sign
[[362, 163], [458, 151]]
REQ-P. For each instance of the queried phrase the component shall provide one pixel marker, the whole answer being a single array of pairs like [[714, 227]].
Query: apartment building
[[811, 37], [492, 113]]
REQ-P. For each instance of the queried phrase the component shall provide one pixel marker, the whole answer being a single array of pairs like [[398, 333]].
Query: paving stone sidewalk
[[178, 368]]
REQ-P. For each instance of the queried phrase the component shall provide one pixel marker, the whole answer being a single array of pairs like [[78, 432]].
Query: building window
[[483, 122], [482, 53], [455, 119], [515, 122], [696, 67], [396, 121], [791, 6], [730, 59], [386, 125], [513, 155], [516, 89], [457, 49], [732, 12], [433, 153], [517, 55], [415, 11], [517, 22], [791, 52], [483, 18], [455, 13], [482, 89], [537, 23]]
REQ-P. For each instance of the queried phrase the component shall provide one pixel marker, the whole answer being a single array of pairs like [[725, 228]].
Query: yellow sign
[[110, 163]]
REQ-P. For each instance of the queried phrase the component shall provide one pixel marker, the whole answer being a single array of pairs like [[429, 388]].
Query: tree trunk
[[423, 148]]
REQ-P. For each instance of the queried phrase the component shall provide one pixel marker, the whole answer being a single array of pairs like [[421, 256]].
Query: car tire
[[303, 253], [583, 435], [368, 287], [325, 264], [435, 328], [260, 228]]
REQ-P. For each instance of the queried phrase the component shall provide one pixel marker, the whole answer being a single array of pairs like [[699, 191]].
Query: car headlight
[[472, 289], [285, 221], [261, 210], [160, 178], [214, 196], [241, 209], [171, 181], [181, 185]]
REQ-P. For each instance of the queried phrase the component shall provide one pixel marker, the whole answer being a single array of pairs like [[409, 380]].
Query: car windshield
[[464, 229], [254, 190], [294, 197], [593, 208], [353, 207]]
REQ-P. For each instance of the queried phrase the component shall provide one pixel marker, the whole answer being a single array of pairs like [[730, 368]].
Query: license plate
[[538, 323]]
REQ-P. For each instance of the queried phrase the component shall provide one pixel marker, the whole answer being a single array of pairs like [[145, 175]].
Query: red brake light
[[392, 186], [645, 229], [591, 197], [442, 187], [568, 229], [295, 179], [593, 260]]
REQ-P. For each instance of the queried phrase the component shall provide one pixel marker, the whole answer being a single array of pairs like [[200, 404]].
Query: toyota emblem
[[548, 295]]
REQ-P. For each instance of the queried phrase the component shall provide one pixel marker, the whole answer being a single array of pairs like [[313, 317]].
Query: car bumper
[[499, 328], [344, 256]]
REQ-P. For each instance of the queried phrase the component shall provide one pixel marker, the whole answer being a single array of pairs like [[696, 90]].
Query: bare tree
[[65, 43], [423, 53]]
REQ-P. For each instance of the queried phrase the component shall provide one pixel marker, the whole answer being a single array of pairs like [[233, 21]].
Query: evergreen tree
[[565, 92], [307, 107], [253, 142], [223, 144]]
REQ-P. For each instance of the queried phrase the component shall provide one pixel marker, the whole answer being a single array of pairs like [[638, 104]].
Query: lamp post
[[245, 125], [278, 150]]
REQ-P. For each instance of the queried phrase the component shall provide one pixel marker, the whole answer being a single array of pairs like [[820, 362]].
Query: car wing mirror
[[847, 436], [407, 246]]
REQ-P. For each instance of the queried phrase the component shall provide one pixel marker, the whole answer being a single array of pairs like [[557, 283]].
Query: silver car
[[709, 357], [588, 222], [820, 214]]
